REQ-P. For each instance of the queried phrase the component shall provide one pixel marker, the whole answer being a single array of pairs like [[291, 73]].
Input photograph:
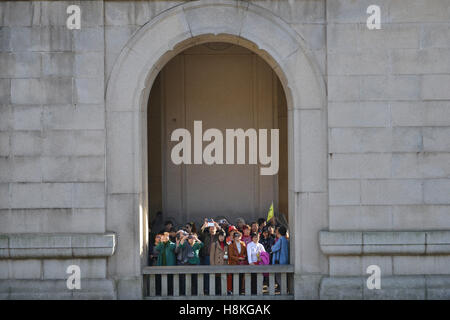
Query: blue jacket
[[280, 251]]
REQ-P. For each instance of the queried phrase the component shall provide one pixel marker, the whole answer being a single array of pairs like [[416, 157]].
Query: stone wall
[[388, 115]]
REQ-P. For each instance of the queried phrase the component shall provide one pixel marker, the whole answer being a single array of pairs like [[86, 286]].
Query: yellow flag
[[270, 214]]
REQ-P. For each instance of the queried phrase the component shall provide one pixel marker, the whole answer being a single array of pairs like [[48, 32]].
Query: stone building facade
[[367, 134]]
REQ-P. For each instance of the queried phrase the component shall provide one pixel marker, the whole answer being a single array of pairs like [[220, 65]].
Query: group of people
[[221, 243]]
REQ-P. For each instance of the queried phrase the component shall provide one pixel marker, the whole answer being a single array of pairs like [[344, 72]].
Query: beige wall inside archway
[[226, 87]]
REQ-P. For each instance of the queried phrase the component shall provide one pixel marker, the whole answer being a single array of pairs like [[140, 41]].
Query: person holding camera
[[195, 244], [166, 251], [208, 230]]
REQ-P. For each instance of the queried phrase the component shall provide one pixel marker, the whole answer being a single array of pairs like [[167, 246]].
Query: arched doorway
[[148, 51], [224, 86]]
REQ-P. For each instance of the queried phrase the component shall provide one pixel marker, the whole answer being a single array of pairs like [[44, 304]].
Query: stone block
[[428, 217], [4, 144], [312, 151], [407, 139], [345, 265], [39, 246], [342, 288], [27, 118], [340, 242], [344, 192], [401, 87], [437, 287], [438, 242], [89, 64], [344, 166], [393, 242], [88, 39], [6, 118], [363, 62], [5, 91], [419, 11], [89, 91], [420, 113], [41, 91], [77, 142], [26, 169], [344, 88], [354, 114], [18, 13], [435, 87], [5, 39], [414, 61], [48, 220], [342, 37], [436, 139], [20, 65], [6, 174], [437, 191], [119, 13], [344, 140], [41, 195], [415, 265], [435, 35], [69, 117], [60, 64], [4, 196], [121, 157], [73, 169], [89, 195], [26, 143], [25, 269], [386, 192]]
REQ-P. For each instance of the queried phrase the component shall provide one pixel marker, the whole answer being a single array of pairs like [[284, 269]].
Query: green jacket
[[167, 249], [196, 248]]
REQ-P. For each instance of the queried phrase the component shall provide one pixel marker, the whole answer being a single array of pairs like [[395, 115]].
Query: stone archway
[[174, 30]]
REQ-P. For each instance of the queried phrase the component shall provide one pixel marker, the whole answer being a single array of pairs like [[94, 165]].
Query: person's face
[[263, 224], [188, 228], [237, 237], [212, 230], [255, 239], [255, 227], [240, 224], [270, 230], [221, 238], [165, 237], [246, 232], [265, 234], [191, 241], [157, 239]]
